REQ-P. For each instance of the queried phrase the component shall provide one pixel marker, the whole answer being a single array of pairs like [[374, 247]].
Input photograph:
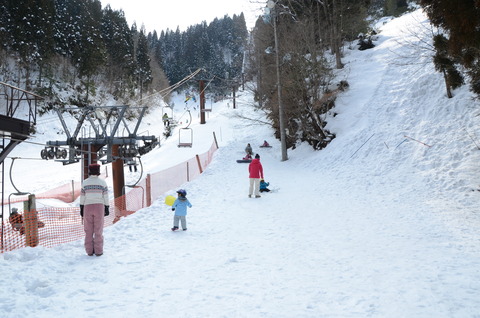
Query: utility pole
[[202, 102], [281, 116]]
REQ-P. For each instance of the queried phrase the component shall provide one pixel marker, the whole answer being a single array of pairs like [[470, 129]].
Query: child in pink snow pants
[[93, 220], [94, 206]]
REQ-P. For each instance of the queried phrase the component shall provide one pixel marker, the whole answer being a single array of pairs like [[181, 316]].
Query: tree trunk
[[335, 35], [449, 91]]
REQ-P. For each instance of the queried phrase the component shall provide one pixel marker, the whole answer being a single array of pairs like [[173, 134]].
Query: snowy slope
[[375, 225]]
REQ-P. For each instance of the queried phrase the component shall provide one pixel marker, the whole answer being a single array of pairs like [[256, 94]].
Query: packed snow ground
[[375, 225]]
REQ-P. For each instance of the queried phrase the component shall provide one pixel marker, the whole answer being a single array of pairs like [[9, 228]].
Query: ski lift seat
[[66, 161], [187, 139]]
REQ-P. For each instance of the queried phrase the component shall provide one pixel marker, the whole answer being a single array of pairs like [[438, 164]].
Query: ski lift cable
[[178, 84], [171, 88], [207, 85]]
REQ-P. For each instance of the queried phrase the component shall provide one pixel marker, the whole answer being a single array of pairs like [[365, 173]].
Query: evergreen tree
[[27, 32], [67, 27], [445, 65], [4, 25], [143, 71], [218, 47], [119, 45], [90, 55], [461, 21], [395, 7]]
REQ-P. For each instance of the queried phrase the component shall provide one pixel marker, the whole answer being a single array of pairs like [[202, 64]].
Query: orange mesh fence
[[129, 203], [51, 226], [54, 226], [68, 193], [60, 225], [161, 182]]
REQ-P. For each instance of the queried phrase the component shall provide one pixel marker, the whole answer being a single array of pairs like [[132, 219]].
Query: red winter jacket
[[256, 170]]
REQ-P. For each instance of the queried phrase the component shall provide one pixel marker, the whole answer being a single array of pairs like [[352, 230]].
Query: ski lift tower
[[97, 137], [202, 101], [18, 116]]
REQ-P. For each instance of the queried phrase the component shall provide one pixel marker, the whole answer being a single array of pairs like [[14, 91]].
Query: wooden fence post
[[30, 221], [215, 139], [148, 184], [199, 164], [73, 190]]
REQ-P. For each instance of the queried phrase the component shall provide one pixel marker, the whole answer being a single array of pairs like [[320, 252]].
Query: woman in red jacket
[[256, 173]]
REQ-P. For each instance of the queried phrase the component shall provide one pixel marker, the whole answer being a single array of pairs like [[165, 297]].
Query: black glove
[[173, 209], [107, 210], [81, 211]]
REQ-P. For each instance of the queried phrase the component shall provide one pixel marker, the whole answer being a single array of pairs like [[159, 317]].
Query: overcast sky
[[160, 15]]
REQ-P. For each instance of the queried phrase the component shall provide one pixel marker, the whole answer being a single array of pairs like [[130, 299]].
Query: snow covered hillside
[[383, 222]]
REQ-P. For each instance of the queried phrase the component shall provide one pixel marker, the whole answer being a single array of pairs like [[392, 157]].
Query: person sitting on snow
[[247, 157], [264, 185], [249, 150], [16, 220], [265, 144]]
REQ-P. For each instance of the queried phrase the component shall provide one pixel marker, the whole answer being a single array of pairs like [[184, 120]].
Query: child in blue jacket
[[180, 207], [264, 185]]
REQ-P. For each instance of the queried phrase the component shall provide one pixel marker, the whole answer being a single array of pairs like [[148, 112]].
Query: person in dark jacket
[[255, 170], [249, 150], [16, 220]]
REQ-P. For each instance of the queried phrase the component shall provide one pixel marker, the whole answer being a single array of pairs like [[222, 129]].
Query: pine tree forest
[[75, 45]]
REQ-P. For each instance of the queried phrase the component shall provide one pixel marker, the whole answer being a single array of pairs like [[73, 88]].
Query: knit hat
[[257, 156], [94, 169]]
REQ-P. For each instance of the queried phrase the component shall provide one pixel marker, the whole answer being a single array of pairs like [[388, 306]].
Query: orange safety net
[[52, 226], [68, 193]]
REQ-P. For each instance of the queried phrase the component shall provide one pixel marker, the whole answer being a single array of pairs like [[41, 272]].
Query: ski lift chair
[[185, 137], [185, 134]]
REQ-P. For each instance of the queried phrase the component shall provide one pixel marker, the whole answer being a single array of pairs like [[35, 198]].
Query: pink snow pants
[[93, 219]]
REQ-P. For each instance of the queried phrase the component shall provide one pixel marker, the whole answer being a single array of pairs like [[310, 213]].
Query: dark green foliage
[[119, 45], [444, 63], [395, 7], [143, 71], [76, 42], [217, 47], [27, 30], [461, 22], [79, 43]]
